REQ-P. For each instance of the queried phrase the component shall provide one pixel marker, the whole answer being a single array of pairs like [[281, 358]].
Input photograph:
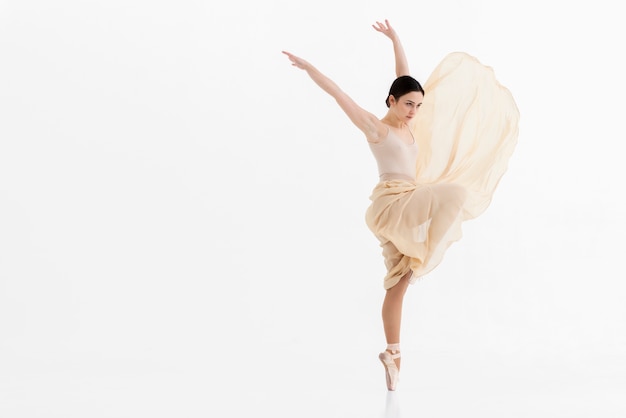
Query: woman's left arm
[[402, 65]]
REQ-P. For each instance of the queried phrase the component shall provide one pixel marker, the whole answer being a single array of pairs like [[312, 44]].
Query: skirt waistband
[[396, 176]]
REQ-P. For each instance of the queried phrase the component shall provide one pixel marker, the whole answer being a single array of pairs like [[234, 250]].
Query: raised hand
[[297, 61], [386, 29], [402, 66]]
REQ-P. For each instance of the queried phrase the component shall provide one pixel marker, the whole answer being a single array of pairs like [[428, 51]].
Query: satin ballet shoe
[[391, 370]]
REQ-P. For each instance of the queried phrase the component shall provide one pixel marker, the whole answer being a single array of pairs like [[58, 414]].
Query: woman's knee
[[402, 285]]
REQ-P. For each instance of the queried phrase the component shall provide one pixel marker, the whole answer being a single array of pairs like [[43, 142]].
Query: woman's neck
[[393, 121]]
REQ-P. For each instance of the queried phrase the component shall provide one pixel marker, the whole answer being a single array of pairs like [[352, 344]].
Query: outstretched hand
[[297, 61], [385, 29]]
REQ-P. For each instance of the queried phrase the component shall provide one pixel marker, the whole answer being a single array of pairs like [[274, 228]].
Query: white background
[[182, 214]]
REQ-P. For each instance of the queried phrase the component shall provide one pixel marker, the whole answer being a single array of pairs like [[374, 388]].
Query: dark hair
[[403, 85]]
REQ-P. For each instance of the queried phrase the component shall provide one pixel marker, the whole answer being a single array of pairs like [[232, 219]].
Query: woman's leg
[[392, 311]]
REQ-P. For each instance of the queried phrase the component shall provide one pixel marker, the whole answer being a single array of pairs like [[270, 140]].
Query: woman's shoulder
[[399, 134], [382, 132]]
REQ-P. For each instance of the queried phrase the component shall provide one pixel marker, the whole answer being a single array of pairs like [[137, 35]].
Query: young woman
[[440, 153]]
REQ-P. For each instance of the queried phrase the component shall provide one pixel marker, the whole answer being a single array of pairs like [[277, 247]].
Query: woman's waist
[[396, 176]]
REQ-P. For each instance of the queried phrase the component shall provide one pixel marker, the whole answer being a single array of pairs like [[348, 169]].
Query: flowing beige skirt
[[466, 131]]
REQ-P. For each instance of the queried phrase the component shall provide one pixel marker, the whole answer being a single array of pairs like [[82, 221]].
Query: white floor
[[323, 384]]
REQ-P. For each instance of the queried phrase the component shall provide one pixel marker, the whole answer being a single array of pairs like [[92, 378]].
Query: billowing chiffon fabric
[[466, 131]]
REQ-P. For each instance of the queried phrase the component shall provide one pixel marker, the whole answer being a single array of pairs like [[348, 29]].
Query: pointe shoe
[[391, 370]]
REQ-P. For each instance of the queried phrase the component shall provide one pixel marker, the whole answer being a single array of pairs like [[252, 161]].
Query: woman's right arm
[[368, 123], [402, 65]]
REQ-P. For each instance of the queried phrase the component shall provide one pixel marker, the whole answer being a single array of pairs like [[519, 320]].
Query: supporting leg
[[392, 312]]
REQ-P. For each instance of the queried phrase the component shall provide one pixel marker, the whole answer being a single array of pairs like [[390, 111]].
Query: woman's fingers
[[384, 28], [380, 27], [295, 61], [291, 57]]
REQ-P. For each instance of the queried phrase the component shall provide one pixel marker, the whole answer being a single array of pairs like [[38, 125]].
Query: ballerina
[[427, 183]]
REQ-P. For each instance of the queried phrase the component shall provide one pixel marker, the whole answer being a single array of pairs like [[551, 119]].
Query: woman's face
[[407, 105]]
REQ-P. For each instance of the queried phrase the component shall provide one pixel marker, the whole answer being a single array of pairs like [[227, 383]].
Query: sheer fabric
[[466, 131]]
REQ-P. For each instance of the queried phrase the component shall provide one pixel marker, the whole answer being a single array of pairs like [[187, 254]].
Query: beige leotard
[[395, 158]]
